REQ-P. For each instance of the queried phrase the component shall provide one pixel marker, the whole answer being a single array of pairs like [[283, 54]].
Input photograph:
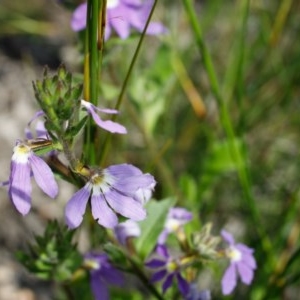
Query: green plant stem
[[237, 155], [93, 8], [234, 74], [105, 149], [92, 71]]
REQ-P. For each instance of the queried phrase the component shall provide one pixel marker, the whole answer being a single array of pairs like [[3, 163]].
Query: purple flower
[[144, 194], [19, 186], [168, 269], [102, 273], [107, 125], [121, 15], [176, 218], [112, 190], [40, 130], [125, 230], [241, 261]]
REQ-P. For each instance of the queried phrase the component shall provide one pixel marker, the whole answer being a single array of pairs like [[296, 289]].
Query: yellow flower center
[[91, 264], [172, 266], [21, 153], [172, 225]]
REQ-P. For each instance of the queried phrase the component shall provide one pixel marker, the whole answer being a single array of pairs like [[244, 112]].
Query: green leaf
[[221, 159], [152, 226]]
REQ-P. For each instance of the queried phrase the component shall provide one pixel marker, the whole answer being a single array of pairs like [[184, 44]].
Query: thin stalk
[[92, 72], [234, 78], [93, 8], [105, 149], [237, 154]]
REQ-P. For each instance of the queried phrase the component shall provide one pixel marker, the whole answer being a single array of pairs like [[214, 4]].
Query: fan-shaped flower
[[112, 190], [176, 218], [241, 261], [23, 162], [168, 269]]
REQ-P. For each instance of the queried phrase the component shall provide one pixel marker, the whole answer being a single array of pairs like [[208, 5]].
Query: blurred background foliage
[[175, 127]]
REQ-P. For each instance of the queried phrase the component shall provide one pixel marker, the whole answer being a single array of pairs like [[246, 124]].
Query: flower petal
[[162, 250], [127, 229], [99, 287], [131, 185], [227, 237], [78, 21], [245, 272], [43, 176], [125, 206], [76, 206], [40, 128], [249, 260], [118, 20], [156, 28], [183, 285], [20, 187], [155, 263], [157, 276], [124, 170], [102, 212], [162, 237], [229, 280], [180, 214], [107, 125], [112, 275], [168, 282]]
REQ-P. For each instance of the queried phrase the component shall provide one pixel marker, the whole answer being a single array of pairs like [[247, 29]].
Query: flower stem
[[92, 67]]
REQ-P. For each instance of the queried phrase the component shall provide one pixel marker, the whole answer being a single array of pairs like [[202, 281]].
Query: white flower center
[[112, 3], [21, 154], [172, 225], [234, 254], [102, 183]]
